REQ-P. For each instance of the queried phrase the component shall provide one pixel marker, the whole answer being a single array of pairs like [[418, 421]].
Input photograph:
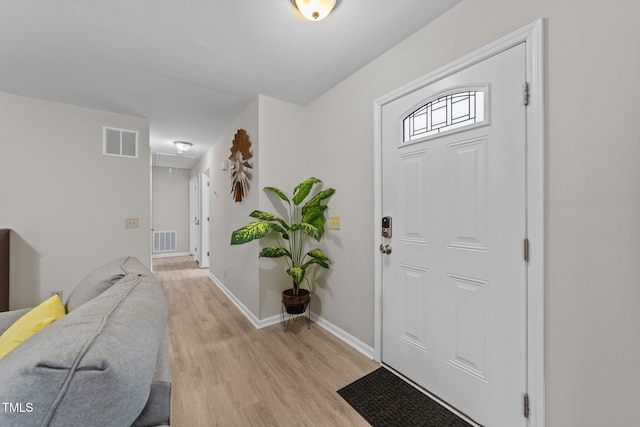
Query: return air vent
[[164, 241], [173, 161], [120, 142]]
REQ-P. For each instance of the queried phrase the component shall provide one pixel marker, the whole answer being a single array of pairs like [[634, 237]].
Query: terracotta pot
[[296, 304]]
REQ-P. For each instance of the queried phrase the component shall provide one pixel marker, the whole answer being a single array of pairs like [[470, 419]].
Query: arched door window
[[445, 113]]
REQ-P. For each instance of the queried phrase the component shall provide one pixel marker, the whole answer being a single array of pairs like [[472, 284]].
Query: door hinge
[[526, 409], [526, 250], [525, 93]]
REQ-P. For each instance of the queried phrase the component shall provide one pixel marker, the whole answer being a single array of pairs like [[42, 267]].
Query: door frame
[[533, 36]]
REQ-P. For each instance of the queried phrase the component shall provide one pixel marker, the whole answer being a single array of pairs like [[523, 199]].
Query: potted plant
[[306, 221]]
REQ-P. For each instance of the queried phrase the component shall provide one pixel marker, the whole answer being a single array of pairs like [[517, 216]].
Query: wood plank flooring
[[227, 373]]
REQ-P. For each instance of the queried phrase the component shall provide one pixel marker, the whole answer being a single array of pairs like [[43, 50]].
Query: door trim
[[533, 36]]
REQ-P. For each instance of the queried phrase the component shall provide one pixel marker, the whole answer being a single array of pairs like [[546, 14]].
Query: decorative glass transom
[[445, 113]]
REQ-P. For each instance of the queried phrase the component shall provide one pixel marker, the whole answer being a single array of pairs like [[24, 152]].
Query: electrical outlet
[[334, 222], [131, 223]]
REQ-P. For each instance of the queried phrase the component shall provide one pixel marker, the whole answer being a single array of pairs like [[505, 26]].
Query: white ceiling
[[192, 66]]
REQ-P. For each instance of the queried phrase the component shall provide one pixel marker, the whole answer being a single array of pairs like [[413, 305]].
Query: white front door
[[454, 276]]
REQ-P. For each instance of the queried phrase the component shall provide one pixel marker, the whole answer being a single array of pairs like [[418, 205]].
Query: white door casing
[[463, 350]]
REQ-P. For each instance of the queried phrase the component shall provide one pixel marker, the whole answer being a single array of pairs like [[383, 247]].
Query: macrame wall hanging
[[239, 165]]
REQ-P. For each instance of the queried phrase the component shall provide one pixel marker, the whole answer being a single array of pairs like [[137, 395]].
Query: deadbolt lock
[[386, 227]]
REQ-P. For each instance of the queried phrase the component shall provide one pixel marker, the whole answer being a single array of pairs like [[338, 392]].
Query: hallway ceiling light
[[182, 146], [314, 10]]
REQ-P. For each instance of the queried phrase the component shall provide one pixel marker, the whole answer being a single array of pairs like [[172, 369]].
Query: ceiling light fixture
[[182, 146], [314, 10]]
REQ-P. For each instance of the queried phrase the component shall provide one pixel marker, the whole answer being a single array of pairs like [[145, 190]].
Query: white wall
[[276, 130], [66, 202], [235, 266], [282, 165], [170, 204], [593, 319]]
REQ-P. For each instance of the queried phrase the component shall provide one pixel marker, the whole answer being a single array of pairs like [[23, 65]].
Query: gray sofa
[[103, 364]]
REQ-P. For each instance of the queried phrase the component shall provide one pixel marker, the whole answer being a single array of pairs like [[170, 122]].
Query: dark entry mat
[[384, 399]]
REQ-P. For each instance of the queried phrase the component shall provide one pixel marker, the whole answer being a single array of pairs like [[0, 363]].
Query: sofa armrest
[[8, 318]]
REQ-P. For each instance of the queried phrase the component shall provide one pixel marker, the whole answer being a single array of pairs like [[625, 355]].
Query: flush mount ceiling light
[[182, 146], [314, 10]]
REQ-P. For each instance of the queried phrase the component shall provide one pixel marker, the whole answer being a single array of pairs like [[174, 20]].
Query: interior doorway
[[199, 197], [194, 215], [205, 253]]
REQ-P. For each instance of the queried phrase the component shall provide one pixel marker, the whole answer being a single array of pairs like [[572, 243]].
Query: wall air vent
[[164, 241], [120, 142], [173, 161]]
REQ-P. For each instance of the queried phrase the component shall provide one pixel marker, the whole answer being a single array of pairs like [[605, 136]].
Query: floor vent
[[164, 241]]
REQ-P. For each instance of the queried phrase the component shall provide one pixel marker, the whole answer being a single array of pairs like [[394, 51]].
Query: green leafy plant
[[306, 221]]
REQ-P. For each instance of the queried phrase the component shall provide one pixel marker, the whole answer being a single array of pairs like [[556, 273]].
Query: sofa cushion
[[102, 278], [94, 366], [33, 321]]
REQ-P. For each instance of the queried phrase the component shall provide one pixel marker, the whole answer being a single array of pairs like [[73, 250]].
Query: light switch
[[334, 222], [131, 223]]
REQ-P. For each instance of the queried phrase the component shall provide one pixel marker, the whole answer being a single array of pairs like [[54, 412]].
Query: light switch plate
[[131, 223]]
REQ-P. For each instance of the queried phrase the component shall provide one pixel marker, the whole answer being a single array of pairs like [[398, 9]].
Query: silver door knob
[[386, 249]]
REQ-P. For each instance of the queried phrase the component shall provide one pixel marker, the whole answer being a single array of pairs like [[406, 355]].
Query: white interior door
[[194, 196], [454, 276], [204, 220]]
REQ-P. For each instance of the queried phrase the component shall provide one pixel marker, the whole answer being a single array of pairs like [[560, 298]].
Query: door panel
[[413, 197], [468, 194], [468, 325], [415, 295]]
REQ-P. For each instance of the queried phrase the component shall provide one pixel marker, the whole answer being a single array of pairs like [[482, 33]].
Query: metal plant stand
[[305, 314]]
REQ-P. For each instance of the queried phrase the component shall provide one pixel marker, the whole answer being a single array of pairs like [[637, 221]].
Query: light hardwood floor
[[227, 373]]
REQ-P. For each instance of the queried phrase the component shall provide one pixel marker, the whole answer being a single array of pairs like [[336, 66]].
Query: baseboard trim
[[354, 342], [323, 323], [170, 254], [257, 323]]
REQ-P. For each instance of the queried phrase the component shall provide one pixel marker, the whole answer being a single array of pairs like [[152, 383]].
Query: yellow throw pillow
[[35, 320]]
